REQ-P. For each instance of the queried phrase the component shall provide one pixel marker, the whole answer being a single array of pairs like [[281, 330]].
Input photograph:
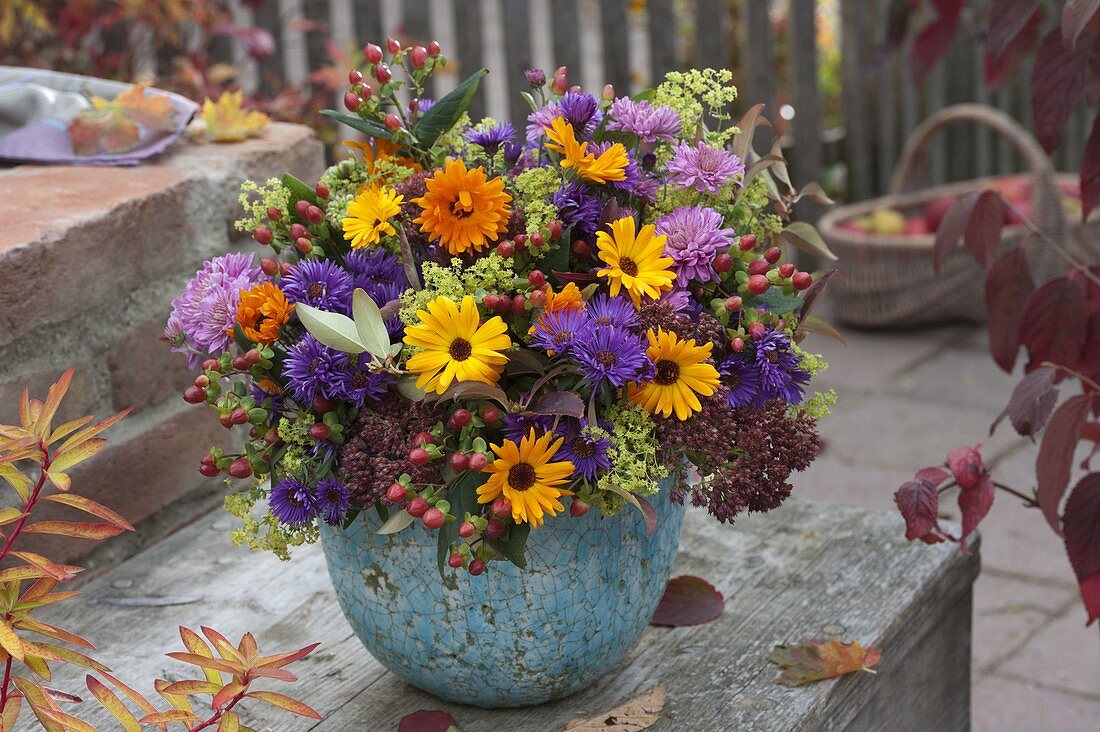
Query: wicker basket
[[888, 279]]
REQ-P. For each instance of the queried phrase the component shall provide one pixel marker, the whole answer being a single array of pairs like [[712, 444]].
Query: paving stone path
[[906, 398]]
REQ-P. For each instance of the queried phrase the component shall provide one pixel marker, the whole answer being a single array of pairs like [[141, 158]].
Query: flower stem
[[32, 499], [1029, 501], [407, 260]]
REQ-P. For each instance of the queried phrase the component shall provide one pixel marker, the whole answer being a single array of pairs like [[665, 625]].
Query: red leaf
[[1053, 328], [1007, 19], [966, 465], [1082, 533], [1075, 17], [952, 227], [564, 403], [933, 42], [1090, 351], [975, 504], [688, 601], [933, 476], [1031, 403], [1052, 467], [1057, 84], [1000, 69], [919, 504], [648, 514], [983, 228], [1090, 171], [426, 720], [1007, 289]]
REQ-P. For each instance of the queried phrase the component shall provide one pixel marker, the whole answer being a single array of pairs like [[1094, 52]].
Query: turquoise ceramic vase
[[509, 637]]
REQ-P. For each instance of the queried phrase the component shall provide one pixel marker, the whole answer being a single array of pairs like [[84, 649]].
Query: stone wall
[[90, 259]]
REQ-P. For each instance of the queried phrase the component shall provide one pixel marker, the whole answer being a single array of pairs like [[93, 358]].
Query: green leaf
[[369, 324], [406, 387], [511, 546], [332, 329], [805, 237], [446, 112], [299, 191], [462, 497], [358, 123], [775, 300], [397, 522]]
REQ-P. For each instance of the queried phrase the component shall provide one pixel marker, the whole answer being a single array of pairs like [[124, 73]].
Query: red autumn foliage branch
[[35, 457]]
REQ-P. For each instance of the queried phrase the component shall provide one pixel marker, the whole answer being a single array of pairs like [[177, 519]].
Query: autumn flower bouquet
[[478, 330]]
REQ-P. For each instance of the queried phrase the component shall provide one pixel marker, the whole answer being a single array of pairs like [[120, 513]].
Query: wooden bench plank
[[806, 570]]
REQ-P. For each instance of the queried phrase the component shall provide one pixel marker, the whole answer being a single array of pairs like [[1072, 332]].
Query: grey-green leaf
[[446, 112], [369, 324], [397, 522], [358, 123], [805, 237], [332, 329]]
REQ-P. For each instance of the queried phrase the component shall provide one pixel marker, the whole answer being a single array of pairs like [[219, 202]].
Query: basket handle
[[1047, 203]]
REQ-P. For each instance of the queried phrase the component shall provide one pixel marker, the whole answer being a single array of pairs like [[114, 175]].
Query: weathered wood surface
[[806, 570]]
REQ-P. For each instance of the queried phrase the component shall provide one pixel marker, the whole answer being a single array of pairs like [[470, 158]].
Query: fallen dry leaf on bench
[[818, 659], [228, 121], [427, 720], [688, 601], [639, 713]]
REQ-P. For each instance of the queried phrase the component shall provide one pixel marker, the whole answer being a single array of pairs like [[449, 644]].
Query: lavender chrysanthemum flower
[[322, 284], [579, 207], [679, 299], [704, 168], [313, 369], [610, 355], [358, 383], [491, 137], [334, 500], [643, 120], [557, 331], [293, 503], [373, 267], [780, 369], [587, 452], [517, 426], [604, 310], [203, 316], [742, 378], [694, 236]]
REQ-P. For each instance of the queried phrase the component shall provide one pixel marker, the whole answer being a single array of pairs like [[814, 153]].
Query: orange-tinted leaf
[[50, 599], [230, 690], [14, 477], [113, 704], [89, 506], [114, 126], [9, 515], [247, 646], [282, 659], [192, 686], [227, 121], [70, 656], [11, 713], [172, 715], [641, 712], [41, 588], [37, 665], [222, 645], [68, 721], [50, 631], [818, 659], [59, 572], [270, 672], [95, 429], [60, 479], [39, 701], [215, 664], [75, 529], [230, 722], [53, 400], [66, 458], [9, 641], [285, 702], [140, 701], [194, 643], [178, 702], [69, 427], [12, 574]]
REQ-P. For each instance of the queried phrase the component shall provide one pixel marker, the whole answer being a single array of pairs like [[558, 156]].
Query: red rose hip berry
[[801, 280], [477, 567], [723, 263], [396, 493], [417, 507], [501, 508], [466, 529], [478, 461], [455, 560], [433, 518], [772, 254], [759, 266], [419, 456], [786, 270], [494, 529], [758, 284], [240, 468], [372, 53], [460, 461], [747, 242]]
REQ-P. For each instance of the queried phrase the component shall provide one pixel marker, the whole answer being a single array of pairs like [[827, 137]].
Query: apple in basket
[[917, 226]]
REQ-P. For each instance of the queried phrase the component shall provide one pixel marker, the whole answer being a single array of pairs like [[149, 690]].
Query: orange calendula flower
[[609, 166], [526, 475], [681, 375], [381, 150], [463, 209], [568, 297], [262, 311], [636, 261]]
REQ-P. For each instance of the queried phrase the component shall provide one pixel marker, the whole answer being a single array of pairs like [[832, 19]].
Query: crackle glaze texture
[[509, 637]]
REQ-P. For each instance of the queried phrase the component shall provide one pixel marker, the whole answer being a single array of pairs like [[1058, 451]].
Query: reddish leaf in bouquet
[[688, 600], [1082, 536], [1076, 16], [1000, 68], [935, 39], [1057, 85], [1032, 401], [975, 504], [1090, 171], [427, 720], [1054, 323], [978, 217], [966, 465], [818, 659], [1007, 19], [919, 504], [1055, 461]]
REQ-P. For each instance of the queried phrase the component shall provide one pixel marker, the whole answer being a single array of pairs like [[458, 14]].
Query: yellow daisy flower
[[635, 263], [682, 374], [369, 216], [562, 139], [525, 475], [457, 346], [463, 209]]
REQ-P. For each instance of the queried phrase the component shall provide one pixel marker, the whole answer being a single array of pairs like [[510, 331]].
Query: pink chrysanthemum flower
[[704, 168], [694, 236], [643, 120]]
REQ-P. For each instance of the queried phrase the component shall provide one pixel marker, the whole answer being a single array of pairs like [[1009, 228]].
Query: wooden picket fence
[[633, 43]]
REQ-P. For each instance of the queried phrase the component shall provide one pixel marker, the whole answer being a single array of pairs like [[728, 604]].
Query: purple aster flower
[[541, 118], [358, 384], [703, 168], [491, 137], [643, 120], [518, 425], [694, 236], [313, 369], [203, 316], [334, 500], [616, 311], [587, 452], [780, 368], [610, 355], [293, 503], [277, 399], [423, 105], [322, 284], [556, 332], [582, 111], [512, 151], [373, 267], [579, 207], [742, 378]]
